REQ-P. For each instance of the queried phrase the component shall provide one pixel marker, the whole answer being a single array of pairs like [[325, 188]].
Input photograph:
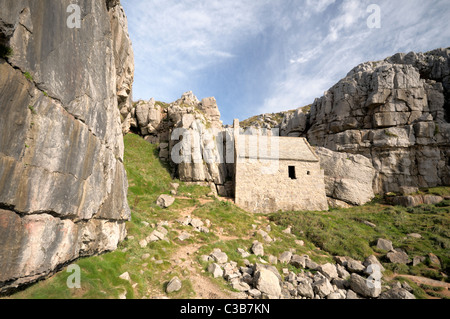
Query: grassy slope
[[341, 232], [338, 232]]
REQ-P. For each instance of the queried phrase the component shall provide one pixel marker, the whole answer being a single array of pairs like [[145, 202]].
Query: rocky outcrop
[[63, 185], [124, 58], [395, 113], [191, 138], [348, 177]]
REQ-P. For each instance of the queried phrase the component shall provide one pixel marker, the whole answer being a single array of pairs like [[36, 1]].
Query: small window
[[308, 173], [292, 172]]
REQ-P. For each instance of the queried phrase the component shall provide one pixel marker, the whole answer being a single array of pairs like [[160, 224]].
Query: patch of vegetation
[[389, 133], [28, 76], [340, 232], [439, 191], [31, 108], [5, 52], [436, 129], [163, 105], [418, 291], [306, 109]]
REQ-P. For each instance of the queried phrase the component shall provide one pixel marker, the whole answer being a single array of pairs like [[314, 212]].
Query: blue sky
[[265, 56]]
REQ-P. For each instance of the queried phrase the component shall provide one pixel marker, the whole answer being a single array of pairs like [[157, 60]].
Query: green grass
[[28, 76], [340, 232], [163, 105]]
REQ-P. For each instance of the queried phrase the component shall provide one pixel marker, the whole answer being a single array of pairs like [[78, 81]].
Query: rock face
[[191, 138], [394, 112], [348, 177], [63, 185]]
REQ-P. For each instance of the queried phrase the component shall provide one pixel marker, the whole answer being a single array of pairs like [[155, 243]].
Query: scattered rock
[[219, 256], [342, 272], [311, 264], [174, 186], [329, 271], [305, 289], [336, 295], [418, 260], [415, 235], [184, 236], [352, 295], [298, 261], [286, 257], [408, 190], [266, 282], [322, 287], [265, 236], [240, 285], [341, 260], [372, 260], [288, 230], [273, 260], [258, 249], [206, 258], [355, 265], [143, 243], [123, 295], [243, 253], [299, 242], [397, 293], [215, 270], [407, 287], [196, 223], [398, 257], [165, 201], [364, 287], [434, 260], [255, 293], [125, 276], [174, 285], [365, 222], [384, 244]]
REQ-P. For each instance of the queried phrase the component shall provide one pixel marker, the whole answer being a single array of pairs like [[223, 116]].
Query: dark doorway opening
[[292, 174]]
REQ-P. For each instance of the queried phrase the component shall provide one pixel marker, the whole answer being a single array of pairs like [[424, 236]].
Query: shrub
[[5, 51]]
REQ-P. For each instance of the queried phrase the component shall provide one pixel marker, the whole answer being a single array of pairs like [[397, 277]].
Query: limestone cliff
[[199, 123], [63, 185], [394, 112]]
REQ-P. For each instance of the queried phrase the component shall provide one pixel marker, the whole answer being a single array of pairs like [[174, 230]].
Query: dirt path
[[427, 281], [203, 287]]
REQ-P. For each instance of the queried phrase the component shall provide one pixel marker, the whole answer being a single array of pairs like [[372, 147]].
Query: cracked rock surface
[[63, 185]]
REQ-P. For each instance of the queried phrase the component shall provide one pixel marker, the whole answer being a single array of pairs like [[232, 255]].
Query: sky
[[267, 56]]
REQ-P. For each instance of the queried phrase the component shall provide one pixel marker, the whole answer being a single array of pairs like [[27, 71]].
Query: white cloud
[[305, 46], [319, 5]]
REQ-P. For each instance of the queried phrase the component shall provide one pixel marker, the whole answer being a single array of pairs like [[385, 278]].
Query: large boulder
[[397, 293], [348, 177], [267, 282], [63, 186], [364, 287]]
